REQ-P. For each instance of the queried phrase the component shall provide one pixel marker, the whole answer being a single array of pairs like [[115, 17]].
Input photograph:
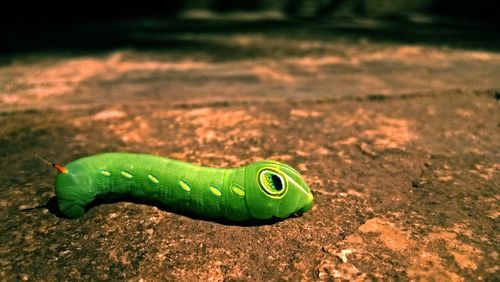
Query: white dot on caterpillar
[[153, 179], [105, 172], [184, 186], [126, 174], [238, 191], [215, 191]]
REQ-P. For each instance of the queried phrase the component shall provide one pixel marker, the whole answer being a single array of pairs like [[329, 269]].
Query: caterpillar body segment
[[260, 190]]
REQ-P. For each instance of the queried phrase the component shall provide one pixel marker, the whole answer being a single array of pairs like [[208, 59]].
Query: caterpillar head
[[276, 189]]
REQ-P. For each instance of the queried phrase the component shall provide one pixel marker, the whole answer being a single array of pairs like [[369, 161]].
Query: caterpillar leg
[[72, 210]]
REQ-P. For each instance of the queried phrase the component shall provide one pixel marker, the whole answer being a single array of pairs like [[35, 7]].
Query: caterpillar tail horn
[[58, 167]]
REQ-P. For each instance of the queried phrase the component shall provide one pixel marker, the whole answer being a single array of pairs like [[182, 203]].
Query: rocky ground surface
[[398, 140]]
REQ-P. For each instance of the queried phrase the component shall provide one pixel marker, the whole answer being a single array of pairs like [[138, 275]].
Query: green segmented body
[[259, 190]]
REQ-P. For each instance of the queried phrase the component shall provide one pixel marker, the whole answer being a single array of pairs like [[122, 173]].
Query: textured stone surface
[[399, 143]]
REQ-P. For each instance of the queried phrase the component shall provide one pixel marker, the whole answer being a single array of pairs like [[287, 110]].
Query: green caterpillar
[[260, 190]]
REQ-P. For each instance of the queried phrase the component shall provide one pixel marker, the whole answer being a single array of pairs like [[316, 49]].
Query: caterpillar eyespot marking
[[272, 183], [126, 174], [153, 179], [259, 190], [184, 186], [215, 191]]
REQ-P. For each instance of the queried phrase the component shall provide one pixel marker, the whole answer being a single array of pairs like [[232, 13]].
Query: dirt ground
[[398, 140]]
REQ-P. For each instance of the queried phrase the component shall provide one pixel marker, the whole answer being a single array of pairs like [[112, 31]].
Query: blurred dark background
[[94, 25], [59, 12]]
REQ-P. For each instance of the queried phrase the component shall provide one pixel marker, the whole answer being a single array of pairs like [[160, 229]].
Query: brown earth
[[399, 143]]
